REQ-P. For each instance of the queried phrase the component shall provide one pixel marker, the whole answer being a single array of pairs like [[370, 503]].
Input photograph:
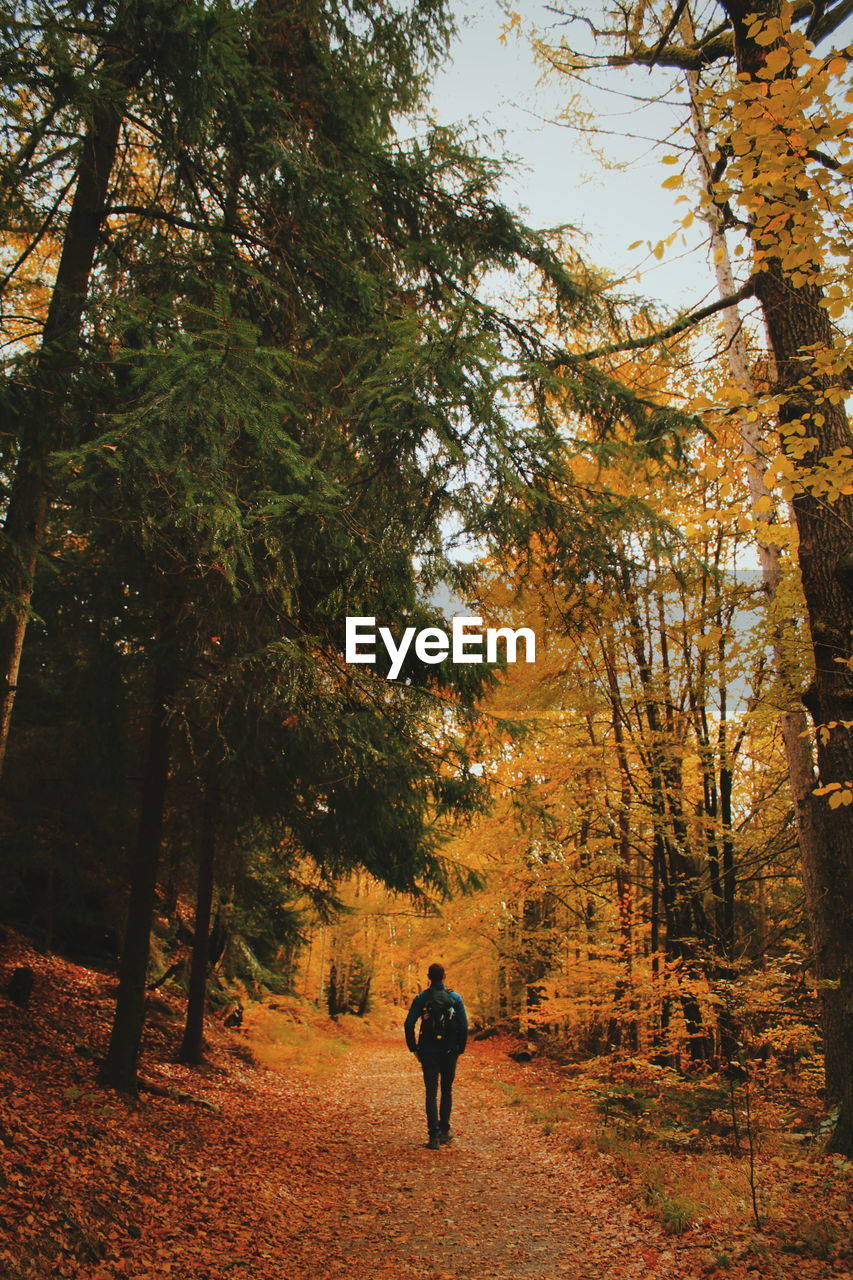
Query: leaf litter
[[284, 1175]]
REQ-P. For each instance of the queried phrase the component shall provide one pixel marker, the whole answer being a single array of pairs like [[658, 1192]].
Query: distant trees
[[640, 858], [638, 815]]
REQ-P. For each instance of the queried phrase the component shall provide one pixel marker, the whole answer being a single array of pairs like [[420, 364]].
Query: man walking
[[443, 1035]]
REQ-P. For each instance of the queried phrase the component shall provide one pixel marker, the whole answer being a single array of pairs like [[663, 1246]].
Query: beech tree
[[779, 156], [630, 795]]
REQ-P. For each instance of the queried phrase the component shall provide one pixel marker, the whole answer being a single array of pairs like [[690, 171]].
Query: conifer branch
[[188, 224], [37, 238]]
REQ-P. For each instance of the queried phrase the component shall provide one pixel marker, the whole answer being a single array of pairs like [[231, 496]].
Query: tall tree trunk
[[798, 326], [685, 917], [120, 1065], [365, 997], [793, 722], [729, 876], [622, 835], [725, 791], [332, 991], [324, 935], [42, 407], [191, 1049]]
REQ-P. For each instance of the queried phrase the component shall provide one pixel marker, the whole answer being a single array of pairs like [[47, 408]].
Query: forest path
[[311, 1167], [500, 1201]]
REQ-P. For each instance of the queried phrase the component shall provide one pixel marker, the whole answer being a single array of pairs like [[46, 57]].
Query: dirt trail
[[500, 1201], [289, 1174]]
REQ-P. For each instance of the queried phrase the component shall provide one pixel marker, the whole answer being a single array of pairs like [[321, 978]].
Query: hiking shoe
[[445, 1136], [434, 1142]]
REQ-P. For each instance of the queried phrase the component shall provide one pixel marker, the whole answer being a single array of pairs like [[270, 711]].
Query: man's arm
[[461, 1025], [410, 1023]]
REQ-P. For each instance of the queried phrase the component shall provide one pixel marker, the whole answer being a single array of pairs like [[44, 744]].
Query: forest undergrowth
[[746, 1156], [298, 1149]]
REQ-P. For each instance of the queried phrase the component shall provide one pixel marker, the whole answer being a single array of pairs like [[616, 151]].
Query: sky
[[497, 87]]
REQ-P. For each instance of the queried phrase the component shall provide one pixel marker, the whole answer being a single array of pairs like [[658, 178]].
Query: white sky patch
[[498, 88]]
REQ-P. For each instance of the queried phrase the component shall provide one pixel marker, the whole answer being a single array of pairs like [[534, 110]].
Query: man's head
[[435, 973]]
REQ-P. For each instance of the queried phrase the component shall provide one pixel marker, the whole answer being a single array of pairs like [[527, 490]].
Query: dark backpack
[[438, 1021]]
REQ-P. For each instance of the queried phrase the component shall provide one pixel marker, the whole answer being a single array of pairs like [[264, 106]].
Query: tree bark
[[793, 722], [627, 1018], [120, 1065], [798, 326], [42, 406], [795, 321], [365, 997], [192, 1045], [332, 991]]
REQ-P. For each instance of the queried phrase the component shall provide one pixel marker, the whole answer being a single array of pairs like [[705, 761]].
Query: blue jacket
[[416, 1012]]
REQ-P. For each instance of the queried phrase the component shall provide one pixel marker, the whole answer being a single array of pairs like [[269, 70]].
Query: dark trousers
[[438, 1069]]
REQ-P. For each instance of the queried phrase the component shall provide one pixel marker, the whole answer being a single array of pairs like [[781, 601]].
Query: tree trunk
[[798, 326], [119, 1067], [795, 320], [332, 991], [684, 913], [793, 722], [729, 876], [627, 1018], [785, 343], [43, 404], [191, 1050]]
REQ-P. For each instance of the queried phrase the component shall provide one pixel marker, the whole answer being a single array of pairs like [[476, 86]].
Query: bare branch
[[670, 27], [37, 239], [829, 162], [660, 335], [692, 57], [823, 25]]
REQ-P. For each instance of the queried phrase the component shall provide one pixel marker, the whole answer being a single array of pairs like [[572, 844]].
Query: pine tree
[[280, 381]]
